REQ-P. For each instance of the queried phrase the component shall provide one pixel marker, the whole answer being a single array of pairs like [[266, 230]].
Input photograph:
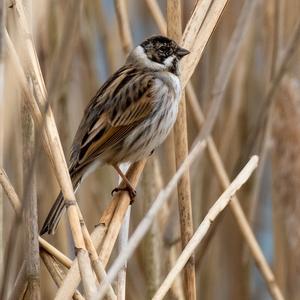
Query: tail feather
[[56, 213]]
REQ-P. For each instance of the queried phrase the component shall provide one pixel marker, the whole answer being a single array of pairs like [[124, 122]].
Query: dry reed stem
[[96, 263], [204, 227], [73, 278], [108, 43], [238, 213], [228, 62], [123, 24], [64, 260], [122, 244], [127, 45], [65, 48], [31, 63], [105, 233], [60, 164], [34, 109], [21, 282], [63, 54], [2, 46], [87, 275], [157, 16], [283, 64], [59, 256], [29, 98], [151, 184], [99, 270], [20, 285], [170, 169], [101, 275], [197, 32], [56, 271], [133, 175], [32, 259], [285, 184], [10, 192], [174, 29], [16, 205], [275, 31], [12, 196], [30, 208], [2, 81], [1, 197], [146, 222], [199, 55], [177, 289], [223, 177], [169, 143], [210, 24], [244, 226], [70, 282]]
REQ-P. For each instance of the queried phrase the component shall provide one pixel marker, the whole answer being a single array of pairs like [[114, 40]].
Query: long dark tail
[[56, 212]]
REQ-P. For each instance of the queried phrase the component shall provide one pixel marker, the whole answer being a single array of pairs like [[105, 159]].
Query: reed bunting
[[130, 115]]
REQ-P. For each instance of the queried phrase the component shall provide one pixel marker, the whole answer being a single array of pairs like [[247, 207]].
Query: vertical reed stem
[[2, 24], [29, 194], [30, 206], [181, 152], [127, 44]]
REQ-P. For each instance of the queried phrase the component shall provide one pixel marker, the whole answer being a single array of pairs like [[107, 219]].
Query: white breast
[[173, 82], [154, 130], [168, 96]]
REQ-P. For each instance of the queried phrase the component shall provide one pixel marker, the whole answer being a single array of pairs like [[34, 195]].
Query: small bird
[[131, 114]]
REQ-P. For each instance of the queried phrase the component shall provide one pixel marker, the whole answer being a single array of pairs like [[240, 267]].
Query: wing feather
[[109, 120]]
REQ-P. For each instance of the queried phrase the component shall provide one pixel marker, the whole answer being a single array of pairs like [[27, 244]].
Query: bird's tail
[[56, 212]]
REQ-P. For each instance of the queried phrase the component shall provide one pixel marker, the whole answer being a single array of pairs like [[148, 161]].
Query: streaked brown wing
[[96, 109], [110, 138], [116, 132], [130, 105]]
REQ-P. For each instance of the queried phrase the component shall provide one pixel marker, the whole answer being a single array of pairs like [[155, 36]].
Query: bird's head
[[158, 53]]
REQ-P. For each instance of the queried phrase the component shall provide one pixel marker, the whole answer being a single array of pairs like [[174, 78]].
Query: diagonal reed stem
[[204, 227], [114, 220], [217, 162], [146, 222]]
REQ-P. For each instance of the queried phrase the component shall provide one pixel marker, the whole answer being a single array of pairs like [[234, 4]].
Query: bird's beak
[[181, 52]]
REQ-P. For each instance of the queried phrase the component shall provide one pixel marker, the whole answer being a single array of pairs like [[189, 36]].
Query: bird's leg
[[129, 188]]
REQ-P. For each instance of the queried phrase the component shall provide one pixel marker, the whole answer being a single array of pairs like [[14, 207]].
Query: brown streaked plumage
[[130, 115]]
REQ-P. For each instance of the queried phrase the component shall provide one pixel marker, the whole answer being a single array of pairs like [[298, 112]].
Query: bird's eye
[[163, 49]]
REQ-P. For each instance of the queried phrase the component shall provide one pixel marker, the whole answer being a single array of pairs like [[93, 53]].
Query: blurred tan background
[[78, 47]]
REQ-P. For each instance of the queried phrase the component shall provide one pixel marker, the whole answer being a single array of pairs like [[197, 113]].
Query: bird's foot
[[131, 191]]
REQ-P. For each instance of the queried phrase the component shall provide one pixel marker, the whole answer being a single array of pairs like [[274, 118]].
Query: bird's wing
[[122, 103]]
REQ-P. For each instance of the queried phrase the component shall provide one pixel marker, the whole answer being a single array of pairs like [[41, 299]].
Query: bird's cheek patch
[[168, 62]]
